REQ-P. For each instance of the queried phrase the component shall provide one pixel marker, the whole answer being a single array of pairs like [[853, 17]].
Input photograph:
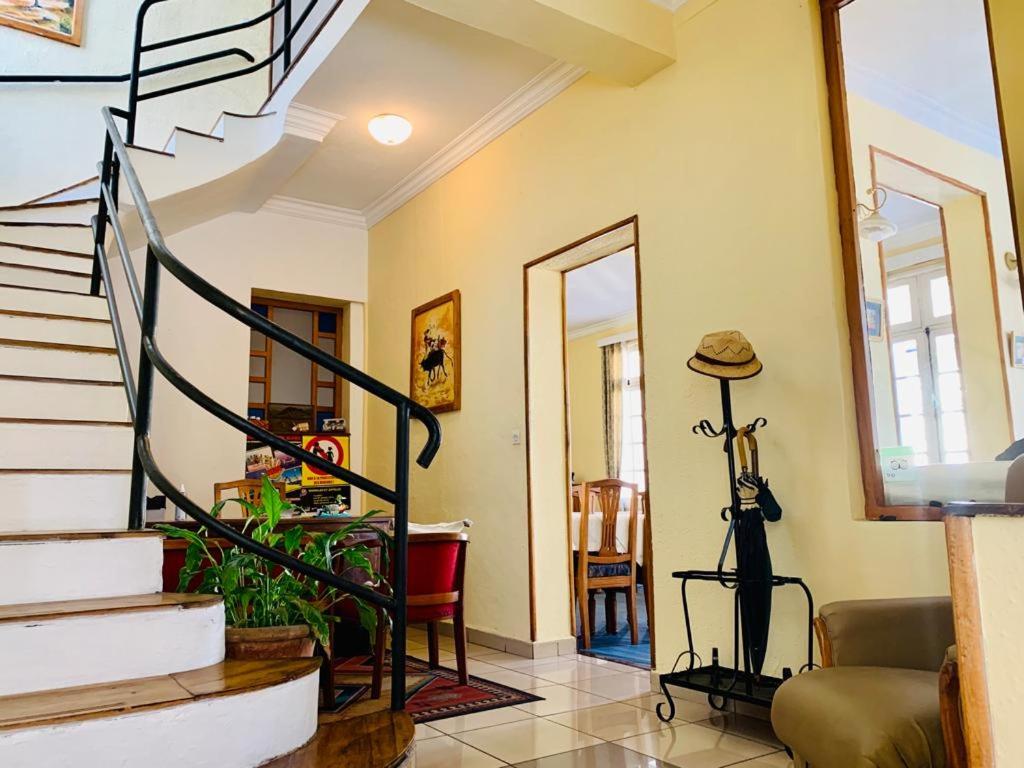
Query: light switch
[[517, 437]]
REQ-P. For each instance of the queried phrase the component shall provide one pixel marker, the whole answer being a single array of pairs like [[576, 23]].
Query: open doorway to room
[[587, 445]]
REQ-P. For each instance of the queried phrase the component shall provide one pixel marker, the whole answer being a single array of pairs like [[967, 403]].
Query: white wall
[[240, 253], [51, 134]]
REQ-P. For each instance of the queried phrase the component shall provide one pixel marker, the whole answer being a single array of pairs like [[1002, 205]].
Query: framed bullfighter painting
[[57, 19], [435, 376]]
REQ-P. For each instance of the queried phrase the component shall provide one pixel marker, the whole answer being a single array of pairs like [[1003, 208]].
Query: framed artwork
[[873, 315], [57, 19], [1017, 349], [435, 373]]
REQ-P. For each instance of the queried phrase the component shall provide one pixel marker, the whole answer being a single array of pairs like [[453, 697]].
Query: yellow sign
[[332, 448]]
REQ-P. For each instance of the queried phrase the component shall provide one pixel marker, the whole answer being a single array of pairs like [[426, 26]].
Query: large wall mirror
[[933, 286]]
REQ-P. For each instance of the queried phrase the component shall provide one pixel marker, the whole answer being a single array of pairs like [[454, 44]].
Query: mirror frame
[[842, 151]]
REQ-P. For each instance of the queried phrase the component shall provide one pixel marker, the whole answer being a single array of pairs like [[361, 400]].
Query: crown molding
[[878, 87], [602, 326], [672, 5], [540, 90], [310, 122], [306, 209]]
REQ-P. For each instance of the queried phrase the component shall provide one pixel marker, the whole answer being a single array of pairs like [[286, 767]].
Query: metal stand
[[723, 683]]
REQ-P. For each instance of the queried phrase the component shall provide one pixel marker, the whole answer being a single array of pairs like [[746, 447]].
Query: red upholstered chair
[[437, 568]]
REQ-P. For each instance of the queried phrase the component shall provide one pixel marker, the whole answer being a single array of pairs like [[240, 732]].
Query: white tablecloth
[[621, 533]]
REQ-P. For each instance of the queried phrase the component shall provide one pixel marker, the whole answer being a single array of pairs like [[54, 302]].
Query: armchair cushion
[[862, 717], [911, 633]]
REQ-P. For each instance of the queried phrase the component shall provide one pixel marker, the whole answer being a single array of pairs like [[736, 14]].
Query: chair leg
[[611, 614], [648, 595], [460, 646], [586, 603], [377, 679], [432, 647], [634, 625]]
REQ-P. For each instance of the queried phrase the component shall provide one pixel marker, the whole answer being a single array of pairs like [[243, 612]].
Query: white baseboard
[[542, 649]]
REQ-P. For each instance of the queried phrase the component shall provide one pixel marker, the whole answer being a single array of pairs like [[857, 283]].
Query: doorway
[[586, 440]]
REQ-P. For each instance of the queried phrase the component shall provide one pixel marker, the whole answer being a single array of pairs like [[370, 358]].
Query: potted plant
[[270, 611]]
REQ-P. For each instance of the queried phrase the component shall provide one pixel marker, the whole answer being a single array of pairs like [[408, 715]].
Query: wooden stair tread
[[63, 422], [44, 249], [16, 536], [375, 740], [87, 702], [84, 348], [60, 204], [52, 316], [51, 290], [37, 268], [60, 380], [103, 605], [72, 224]]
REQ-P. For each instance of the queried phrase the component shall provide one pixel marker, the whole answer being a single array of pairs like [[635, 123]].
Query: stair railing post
[[100, 234], [400, 557], [144, 407], [133, 81], [287, 37]]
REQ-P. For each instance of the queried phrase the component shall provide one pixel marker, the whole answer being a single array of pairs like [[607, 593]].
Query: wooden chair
[[437, 571], [249, 490], [646, 571], [606, 569]]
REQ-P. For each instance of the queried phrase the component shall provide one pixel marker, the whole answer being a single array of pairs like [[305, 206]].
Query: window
[[927, 384], [633, 469], [285, 388]]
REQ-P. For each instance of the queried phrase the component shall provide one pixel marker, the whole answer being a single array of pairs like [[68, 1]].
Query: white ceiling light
[[873, 225], [390, 130]]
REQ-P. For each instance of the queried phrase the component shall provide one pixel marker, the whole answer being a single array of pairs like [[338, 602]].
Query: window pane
[[258, 366], [291, 373], [257, 341], [325, 397], [904, 358], [900, 305], [908, 396], [954, 431], [951, 394], [327, 322], [942, 304], [921, 460], [256, 392], [945, 352], [322, 374], [957, 457], [912, 433]]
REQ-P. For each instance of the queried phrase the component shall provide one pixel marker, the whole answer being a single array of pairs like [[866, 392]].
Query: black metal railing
[[116, 169]]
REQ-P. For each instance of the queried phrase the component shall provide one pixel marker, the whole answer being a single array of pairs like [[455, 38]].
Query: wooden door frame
[[634, 222], [842, 150]]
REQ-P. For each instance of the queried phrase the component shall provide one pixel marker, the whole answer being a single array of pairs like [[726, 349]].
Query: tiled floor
[[595, 714]]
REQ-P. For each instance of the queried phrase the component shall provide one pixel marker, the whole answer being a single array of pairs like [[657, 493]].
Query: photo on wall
[[874, 316], [435, 376], [56, 19]]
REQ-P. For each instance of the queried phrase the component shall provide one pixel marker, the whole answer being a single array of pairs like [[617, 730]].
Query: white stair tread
[[58, 363], [71, 237], [84, 642], [45, 257], [68, 212], [62, 399], [87, 333], [101, 500], [72, 305], [72, 281], [65, 446]]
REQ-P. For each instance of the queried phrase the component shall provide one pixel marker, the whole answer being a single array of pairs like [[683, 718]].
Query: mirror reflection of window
[[932, 224]]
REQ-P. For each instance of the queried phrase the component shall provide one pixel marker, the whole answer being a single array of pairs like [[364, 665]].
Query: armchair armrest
[[910, 633]]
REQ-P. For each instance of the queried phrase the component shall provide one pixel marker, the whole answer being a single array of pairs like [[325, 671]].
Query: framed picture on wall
[[1017, 349], [435, 370], [873, 315], [56, 19]]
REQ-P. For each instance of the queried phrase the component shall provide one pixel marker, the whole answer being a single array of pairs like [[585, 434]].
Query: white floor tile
[[559, 698], [424, 732], [453, 725], [693, 746], [567, 675], [446, 752], [616, 687], [518, 680], [526, 740], [686, 711], [611, 721]]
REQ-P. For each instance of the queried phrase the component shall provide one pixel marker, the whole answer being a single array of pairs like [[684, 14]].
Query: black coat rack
[[740, 681]]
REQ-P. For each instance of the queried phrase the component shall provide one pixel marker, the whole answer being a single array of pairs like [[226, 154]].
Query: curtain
[[611, 369]]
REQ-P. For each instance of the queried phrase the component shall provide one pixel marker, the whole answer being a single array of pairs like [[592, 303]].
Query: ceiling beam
[[624, 40]]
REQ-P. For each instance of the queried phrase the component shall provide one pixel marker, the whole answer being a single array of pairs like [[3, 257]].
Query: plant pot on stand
[[253, 644]]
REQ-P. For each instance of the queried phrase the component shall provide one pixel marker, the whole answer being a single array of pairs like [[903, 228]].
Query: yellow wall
[[586, 408], [725, 156]]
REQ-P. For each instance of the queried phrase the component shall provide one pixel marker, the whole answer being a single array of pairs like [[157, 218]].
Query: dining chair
[[436, 592], [249, 490], [607, 568]]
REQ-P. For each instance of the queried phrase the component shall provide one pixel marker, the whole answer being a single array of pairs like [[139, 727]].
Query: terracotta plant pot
[[269, 643]]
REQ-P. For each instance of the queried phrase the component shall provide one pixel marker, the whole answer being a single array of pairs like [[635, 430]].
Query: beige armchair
[[879, 701]]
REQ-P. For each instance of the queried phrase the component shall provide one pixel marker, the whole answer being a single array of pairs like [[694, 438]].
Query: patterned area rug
[[431, 694]]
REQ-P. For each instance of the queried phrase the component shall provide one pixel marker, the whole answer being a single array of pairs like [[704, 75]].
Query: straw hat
[[725, 355]]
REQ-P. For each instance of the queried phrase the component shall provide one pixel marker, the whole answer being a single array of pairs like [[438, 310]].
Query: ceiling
[[441, 75], [928, 60], [602, 290], [908, 213], [672, 5]]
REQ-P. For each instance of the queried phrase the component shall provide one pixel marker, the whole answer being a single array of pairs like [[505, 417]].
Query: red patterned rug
[[434, 694]]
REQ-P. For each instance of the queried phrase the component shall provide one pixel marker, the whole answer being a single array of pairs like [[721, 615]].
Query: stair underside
[[89, 702]]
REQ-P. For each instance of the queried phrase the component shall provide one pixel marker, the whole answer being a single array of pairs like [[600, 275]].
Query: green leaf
[[293, 539]]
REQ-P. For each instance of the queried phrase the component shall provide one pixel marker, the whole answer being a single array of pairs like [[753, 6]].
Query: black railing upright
[[115, 169]]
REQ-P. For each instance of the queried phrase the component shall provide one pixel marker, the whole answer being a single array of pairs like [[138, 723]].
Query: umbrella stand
[[752, 583]]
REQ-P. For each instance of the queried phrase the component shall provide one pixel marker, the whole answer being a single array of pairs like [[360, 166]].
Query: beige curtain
[[611, 368]]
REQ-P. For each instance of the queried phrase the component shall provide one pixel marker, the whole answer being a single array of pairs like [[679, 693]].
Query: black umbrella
[[753, 561]]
